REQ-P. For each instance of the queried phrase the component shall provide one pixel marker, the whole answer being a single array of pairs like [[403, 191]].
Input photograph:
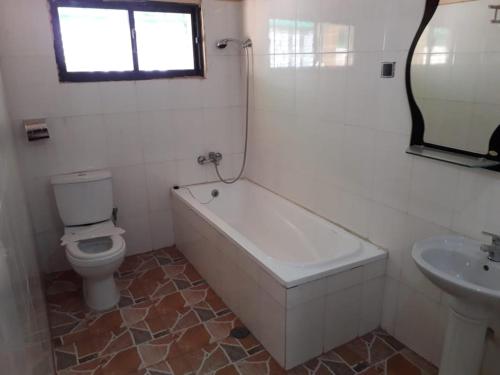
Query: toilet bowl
[[94, 246], [96, 259]]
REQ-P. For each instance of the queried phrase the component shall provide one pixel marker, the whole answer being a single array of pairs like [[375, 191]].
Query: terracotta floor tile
[[193, 338], [110, 321], [338, 368], [395, 344], [159, 368], [399, 365], [124, 362], [228, 370], [420, 362], [354, 352], [379, 351], [191, 273], [172, 302], [324, 370], [214, 361], [376, 370], [299, 370], [169, 321]]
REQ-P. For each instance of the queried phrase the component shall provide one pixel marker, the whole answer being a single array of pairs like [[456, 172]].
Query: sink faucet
[[493, 250]]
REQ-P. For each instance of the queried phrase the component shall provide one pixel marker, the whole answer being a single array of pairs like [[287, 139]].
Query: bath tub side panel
[[234, 276]]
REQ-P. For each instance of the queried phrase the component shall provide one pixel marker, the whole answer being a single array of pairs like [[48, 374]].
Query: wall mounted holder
[[36, 129], [468, 161]]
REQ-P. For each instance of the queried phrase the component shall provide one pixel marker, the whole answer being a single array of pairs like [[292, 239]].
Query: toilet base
[[101, 294]]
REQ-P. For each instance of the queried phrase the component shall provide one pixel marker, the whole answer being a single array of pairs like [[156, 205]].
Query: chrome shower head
[[221, 44]]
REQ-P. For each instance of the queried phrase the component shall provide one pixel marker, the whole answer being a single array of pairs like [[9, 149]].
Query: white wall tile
[[190, 172], [304, 332], [344, 280], [417, 322], [130, 190], [390, 305], [433, 191], [374, 270], [137, 233], [118, 97], [123, 140], [161, 177], [392, 171], [357, 170], [188, 133], [83, 144], [272, 326], [372, 297], [42, 205], [78, 99], [306, 292], [158, 136], [474, 202], [342, 316], [162, 229]]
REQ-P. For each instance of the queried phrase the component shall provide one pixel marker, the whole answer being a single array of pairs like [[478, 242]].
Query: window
[[103, 40]]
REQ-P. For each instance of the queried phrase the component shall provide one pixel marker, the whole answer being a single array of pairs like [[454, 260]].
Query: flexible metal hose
[[243, 164]]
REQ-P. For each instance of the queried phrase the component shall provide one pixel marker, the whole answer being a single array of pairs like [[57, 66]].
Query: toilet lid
[[100, 247]]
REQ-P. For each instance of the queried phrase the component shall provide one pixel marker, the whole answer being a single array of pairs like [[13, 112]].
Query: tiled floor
[[169, 321]]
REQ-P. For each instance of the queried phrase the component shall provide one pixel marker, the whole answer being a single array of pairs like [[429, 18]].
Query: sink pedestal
[[464, 340]]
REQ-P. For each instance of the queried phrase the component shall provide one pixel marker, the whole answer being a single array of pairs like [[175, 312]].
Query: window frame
[[148, 6]]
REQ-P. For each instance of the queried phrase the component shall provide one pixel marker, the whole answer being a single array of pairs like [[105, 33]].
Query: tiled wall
[[147, 132], [24, 334], [330, 134]]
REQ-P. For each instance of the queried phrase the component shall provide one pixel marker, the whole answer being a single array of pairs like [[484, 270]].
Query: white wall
[[24, 332], [147, 132], [330, 134]]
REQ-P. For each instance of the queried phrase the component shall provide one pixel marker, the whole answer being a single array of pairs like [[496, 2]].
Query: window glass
[[164, 41], [96, 40]]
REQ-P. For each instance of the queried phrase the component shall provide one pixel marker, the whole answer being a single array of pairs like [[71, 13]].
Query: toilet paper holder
[[36, 129]]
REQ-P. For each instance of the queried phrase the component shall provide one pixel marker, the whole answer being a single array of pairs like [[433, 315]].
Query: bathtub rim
[[279, 270]]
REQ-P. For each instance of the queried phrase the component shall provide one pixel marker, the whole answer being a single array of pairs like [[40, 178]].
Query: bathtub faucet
[[212, 157]]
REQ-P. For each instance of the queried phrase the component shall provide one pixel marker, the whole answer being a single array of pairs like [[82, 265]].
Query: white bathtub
[[300, 283]]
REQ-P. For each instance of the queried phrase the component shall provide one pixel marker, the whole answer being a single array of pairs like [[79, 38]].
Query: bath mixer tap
[[212, 157], [493, 250]]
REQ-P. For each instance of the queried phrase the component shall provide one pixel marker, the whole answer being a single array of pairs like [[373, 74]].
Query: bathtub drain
[[240, 332]]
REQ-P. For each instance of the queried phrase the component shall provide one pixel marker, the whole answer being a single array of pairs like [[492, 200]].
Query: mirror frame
[[417, 144]]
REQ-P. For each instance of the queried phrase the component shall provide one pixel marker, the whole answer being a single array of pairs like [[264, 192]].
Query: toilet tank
[[84, 197]]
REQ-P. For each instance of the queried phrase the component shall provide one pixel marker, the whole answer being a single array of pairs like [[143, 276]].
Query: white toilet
[[94, 247]]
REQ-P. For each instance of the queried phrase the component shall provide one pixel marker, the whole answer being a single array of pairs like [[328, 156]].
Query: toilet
[[93, 244]]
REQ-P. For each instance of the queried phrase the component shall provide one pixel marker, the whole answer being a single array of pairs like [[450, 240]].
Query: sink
[[459, 267]]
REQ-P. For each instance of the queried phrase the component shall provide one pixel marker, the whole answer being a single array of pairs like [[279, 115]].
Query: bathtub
[[300, 283]]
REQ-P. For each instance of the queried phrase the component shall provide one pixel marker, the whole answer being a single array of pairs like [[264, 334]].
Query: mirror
[[453, 79]]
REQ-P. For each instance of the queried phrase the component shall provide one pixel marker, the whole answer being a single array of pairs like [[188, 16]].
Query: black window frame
[[149, 6]]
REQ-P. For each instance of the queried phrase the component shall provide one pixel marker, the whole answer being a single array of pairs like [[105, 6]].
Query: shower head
[[221, 44]]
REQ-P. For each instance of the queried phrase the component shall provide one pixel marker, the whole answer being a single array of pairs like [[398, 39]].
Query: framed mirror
[[453, 83]]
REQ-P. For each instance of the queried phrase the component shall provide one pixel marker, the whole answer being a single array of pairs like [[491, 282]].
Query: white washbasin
[[458, 266]]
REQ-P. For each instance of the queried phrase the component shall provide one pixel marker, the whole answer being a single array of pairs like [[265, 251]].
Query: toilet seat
[[100, 248]]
